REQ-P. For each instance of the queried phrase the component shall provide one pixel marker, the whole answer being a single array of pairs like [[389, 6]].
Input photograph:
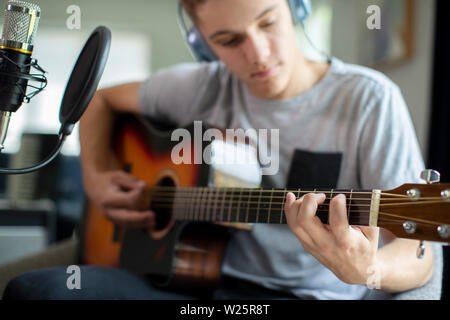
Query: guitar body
[[176, 253], [196, 201]]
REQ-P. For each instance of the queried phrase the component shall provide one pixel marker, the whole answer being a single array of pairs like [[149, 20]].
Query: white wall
[[415, 77], [157, 19], [412, 76], [145, 37]]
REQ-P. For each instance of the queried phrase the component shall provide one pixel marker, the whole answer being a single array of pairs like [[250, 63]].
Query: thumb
[[128, 181], [371, 233]]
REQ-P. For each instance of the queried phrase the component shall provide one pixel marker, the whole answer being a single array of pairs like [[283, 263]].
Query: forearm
[[400, 269], [96, 128]]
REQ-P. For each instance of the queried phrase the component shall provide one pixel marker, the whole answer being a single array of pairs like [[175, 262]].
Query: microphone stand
[[63, 133], [4, 122], [79, 92]]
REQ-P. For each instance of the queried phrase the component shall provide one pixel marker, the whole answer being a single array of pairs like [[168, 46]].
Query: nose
[[256, 49]]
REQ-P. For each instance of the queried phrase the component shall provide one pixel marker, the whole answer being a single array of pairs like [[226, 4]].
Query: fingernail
[[321, 194]]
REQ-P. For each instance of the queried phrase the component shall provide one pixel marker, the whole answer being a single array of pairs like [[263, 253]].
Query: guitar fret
[[190, 215], [243, 205], [239, 206], [230, 204], [248, 206], [192, 204], [213, 200], [360, 204], [264, 213], [223, 204], [257, 209], [349, 205], [270, 207], [216, 205], [177, 209], [204, 204], [282, 207], [209, 204], [199, 203], [327, 219]]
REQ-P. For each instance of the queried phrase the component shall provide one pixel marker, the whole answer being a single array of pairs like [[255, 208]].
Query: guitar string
[[232, 197], [211, 192], [411, 218], [383, 217], [283, 197], [251, 190], [272, 212], [274, 219], [275, 211], [231, 191], [252, 213], [193, 189]]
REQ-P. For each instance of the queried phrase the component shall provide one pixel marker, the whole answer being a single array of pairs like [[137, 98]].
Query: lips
[[265, 73]]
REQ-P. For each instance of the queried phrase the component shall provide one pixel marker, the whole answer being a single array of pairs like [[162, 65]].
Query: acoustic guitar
[[199, 205]]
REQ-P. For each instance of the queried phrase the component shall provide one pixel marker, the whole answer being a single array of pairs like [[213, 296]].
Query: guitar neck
[[244, 205]]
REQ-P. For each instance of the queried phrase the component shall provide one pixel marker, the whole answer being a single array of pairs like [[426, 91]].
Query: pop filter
[[83, 81], [80, 89]]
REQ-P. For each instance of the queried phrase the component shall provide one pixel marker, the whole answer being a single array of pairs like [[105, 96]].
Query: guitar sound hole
[[162, 203]]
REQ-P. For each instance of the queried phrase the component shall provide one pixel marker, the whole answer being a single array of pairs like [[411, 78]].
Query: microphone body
[[16, 47]]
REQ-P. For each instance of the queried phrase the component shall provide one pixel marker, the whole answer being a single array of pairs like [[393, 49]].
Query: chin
[[269, 90]]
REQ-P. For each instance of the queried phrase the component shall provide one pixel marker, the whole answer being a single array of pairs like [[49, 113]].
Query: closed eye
[[232, 42], [268, 24]]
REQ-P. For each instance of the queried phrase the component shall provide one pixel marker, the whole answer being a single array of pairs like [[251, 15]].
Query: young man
[[348, 123]]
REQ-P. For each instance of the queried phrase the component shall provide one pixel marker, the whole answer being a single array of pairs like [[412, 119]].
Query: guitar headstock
[[417, 211]]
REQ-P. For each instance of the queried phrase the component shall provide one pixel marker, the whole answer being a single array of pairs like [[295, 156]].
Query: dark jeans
[[98, 283]]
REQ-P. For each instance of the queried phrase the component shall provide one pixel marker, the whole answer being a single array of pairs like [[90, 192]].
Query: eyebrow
[[221, 32]]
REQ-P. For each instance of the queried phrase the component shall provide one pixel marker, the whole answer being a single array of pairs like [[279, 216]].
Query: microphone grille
[[21, 21]]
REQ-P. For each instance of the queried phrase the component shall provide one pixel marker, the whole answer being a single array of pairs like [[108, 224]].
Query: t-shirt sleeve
[[389, 152], [174, 94]]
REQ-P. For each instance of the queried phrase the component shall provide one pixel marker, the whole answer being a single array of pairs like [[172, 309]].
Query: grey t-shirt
[[352, 130]]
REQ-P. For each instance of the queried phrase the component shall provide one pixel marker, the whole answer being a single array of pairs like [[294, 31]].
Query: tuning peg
[[410, 227], [430, 176], [421, 250], [413, 194], [444, 231], [446, 194]]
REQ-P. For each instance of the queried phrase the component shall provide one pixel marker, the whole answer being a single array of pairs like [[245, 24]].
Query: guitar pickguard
[[147, 256]]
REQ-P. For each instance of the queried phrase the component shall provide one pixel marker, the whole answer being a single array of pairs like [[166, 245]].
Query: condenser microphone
[[16, 46]]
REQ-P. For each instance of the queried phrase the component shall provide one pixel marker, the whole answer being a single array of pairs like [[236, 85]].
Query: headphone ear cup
[[199, 47], [300, 10]]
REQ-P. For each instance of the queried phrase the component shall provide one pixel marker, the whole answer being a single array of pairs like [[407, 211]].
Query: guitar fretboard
[[250, 205]]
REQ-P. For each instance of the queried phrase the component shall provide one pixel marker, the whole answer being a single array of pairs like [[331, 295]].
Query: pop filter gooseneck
[[80, 89]]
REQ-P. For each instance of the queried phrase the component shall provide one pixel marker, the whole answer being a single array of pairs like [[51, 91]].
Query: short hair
[[191, 7]]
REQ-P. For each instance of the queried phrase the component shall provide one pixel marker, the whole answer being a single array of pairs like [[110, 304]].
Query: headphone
[[300, 10]]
